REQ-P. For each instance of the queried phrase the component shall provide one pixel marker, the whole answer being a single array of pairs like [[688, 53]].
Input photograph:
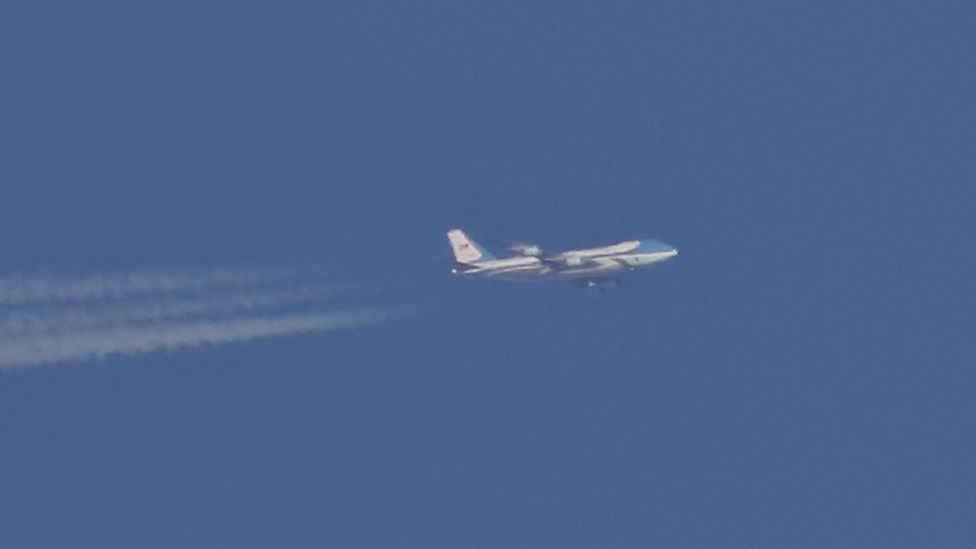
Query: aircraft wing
[[564, 261]]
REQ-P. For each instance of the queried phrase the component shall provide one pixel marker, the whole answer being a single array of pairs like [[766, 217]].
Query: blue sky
[[801, 376]]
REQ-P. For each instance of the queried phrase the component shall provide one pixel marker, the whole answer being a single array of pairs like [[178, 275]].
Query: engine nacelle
[[573, 261], [528, 250]]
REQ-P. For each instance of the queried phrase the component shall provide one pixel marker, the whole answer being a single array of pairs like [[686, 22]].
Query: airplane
[[585, 268]]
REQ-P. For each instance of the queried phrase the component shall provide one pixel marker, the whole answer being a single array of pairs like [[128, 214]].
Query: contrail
[[56, 289], [163, 337], [35, 320], [48, 319]]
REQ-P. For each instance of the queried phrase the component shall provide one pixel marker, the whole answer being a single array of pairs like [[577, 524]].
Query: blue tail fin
[[465, 249]]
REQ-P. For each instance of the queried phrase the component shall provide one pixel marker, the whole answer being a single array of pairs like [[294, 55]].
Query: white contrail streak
[[57, 289], [45, 319], [34, 320], [131, 340]]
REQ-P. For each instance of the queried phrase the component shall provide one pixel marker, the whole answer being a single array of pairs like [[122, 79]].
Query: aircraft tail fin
[[465, 249]]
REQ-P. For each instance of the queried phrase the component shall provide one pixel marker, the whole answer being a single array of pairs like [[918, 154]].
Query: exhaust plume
[[56, 319], [132, 340]]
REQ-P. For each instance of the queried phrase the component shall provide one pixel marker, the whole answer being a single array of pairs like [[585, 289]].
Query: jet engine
[[528, 250]]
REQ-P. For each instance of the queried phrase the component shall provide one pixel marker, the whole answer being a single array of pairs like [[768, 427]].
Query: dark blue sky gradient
[[801, 376]]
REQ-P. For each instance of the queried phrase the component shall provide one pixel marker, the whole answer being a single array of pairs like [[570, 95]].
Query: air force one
[[585, 268]]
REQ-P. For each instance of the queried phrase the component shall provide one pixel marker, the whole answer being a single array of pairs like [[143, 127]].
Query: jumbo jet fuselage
[[589, 265]]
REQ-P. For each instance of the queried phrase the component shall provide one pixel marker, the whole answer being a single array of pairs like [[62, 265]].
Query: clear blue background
[[801, 376]]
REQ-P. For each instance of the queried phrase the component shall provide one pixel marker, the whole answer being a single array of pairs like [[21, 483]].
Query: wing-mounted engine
[[525, 250], [528, 250]]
